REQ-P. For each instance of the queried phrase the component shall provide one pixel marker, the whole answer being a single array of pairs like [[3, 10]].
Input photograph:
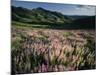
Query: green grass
[[29, 25], [65, 34]]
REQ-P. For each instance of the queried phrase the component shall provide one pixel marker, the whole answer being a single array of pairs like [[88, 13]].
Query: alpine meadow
[[52, 37]]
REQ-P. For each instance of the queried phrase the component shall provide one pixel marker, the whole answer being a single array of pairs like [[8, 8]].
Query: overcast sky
[[67, 9]]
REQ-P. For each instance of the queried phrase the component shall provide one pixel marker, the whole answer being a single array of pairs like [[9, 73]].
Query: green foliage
[[67, 34]]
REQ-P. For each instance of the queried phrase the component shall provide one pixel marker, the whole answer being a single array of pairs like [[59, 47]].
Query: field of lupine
[[36, 50]]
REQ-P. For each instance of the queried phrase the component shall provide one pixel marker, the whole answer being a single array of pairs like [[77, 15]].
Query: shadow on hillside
[[63, 27]]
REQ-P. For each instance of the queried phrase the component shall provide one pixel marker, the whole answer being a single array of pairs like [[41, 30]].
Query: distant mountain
[[39, 15], [74, 17]]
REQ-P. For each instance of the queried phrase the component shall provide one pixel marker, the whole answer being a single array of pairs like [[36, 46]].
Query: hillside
[[38, 15], [51, 19], [87, 22], [75, 17]]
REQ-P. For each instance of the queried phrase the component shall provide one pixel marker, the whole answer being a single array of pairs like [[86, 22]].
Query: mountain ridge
[[39, 15]]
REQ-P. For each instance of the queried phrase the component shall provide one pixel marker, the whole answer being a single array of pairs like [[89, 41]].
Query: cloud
[[85, 7]]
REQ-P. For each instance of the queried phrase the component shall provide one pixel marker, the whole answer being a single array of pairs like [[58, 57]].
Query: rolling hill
[[38, 15], [53, 19]]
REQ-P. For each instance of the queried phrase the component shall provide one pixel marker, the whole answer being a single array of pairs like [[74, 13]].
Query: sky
[[66, 9]]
